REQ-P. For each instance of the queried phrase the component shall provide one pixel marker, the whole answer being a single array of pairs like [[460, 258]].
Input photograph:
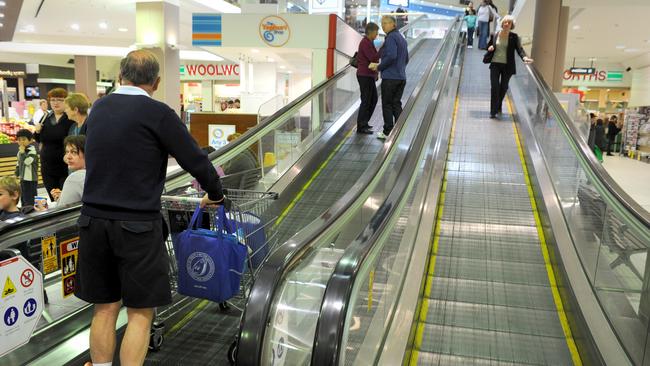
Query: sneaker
[[470, 46], [381, 136]]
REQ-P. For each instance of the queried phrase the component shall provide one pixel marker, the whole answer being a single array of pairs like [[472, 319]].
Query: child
[[9, 196], [27, 167]]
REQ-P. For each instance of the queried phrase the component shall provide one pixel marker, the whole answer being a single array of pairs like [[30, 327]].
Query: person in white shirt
[[73, 187], [40, 113], [484, 15]]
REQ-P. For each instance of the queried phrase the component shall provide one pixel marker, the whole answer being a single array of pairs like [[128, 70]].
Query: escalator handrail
[[331, 321], [585, 155], [286, 256]]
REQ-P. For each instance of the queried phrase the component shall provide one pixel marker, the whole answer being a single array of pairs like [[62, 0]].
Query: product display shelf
[[636, 133]]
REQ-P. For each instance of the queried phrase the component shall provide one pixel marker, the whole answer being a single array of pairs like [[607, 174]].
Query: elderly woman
[[76, 107], [50, 134], [503, 45]]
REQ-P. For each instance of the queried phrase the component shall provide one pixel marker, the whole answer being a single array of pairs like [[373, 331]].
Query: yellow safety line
[[295, 200], [188, 317], [545, 253], [424, 308]]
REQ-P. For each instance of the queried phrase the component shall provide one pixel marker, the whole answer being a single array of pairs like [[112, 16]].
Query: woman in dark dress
[[50, 135]]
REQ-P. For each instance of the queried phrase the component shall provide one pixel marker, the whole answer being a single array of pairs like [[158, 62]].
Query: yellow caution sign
[[9, 288], [50, 255]]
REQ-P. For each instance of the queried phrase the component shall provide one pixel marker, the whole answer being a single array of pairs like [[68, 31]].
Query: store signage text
[[12, 74], [596, 75], [582, 70], [210, 71], [275, 31]]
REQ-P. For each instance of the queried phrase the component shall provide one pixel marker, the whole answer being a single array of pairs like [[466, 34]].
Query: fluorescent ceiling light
[[1, 25], [2, 3], [254, 50], [270, 59], [199, 56], [620, 47], [122, 29], [220, 5], [283, 67], [27, 28], [575, 27], [103, 25], [63, 49], [631, 50], [2, 15], [74, 26]]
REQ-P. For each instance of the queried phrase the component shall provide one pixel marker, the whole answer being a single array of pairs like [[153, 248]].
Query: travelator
[[482, 242], [307, 152]]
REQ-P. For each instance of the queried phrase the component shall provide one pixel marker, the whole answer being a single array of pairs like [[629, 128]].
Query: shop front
[[210, 87], [604, 92]]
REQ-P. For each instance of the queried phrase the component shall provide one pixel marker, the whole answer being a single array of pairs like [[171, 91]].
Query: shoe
[[493, 116], [610, 154], [381, 136], [470, 46], [365, 131]]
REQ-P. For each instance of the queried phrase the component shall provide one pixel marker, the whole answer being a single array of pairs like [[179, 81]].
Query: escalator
[[324, 161], [504, 242]]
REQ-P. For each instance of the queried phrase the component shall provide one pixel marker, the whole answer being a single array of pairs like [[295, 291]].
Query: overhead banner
[[206, 30]]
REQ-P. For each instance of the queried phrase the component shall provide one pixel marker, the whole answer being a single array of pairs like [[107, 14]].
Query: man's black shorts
[[122, 260]]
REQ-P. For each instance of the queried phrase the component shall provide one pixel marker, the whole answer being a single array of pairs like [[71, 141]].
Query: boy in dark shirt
[[27, 167]]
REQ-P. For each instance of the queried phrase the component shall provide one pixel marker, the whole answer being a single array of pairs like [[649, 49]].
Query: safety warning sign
[[50, 255], [21, 304], [69, 256], [9, 288]]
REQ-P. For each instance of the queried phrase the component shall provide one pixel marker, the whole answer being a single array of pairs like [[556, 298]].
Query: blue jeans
[[470, 36], [484, 33]]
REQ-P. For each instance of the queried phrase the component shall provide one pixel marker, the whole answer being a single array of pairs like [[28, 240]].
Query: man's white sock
[[103, 364]]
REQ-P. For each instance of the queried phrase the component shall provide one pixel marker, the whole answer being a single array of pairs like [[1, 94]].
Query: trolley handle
[[181, 199]]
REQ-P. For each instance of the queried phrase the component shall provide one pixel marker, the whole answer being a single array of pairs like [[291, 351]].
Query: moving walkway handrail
[[585, 155], [335, 304], [234, 148], [287, 256], [179, 177]]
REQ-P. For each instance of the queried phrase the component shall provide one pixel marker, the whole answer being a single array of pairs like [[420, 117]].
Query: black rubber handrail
[[284, 259], [331, 321], [585, 155]]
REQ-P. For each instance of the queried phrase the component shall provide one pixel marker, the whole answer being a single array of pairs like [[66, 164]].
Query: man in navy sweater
[[122, 255], [394, 57]]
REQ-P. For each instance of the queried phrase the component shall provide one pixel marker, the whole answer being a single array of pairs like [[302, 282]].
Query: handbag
[[354, 62], [210, 263], [487, 57]]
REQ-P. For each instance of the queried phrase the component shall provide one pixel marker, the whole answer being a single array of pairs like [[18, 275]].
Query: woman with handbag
[[501, 57], [484, 15]]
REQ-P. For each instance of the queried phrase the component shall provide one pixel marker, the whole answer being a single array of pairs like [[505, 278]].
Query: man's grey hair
[[391, 18], [140, 67]]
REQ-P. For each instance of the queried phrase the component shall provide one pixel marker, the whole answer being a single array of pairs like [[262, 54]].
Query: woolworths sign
[[209, 71]]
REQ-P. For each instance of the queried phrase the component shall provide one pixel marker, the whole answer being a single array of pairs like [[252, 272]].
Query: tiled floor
[[632, 175]]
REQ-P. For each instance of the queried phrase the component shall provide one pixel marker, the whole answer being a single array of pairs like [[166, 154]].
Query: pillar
[[85, 76], [21, 89], [157, 29], [549, 40]]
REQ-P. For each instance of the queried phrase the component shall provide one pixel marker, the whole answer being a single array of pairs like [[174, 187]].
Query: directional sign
[[582, 70], [21, 304]]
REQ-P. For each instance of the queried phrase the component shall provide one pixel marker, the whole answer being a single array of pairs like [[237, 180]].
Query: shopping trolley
[[252, 219]]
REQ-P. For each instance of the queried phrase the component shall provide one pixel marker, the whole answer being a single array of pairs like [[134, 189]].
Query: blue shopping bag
[[210, 263], [253, 229]]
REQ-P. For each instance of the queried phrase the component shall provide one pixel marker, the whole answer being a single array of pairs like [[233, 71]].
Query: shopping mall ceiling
[[603, 30]]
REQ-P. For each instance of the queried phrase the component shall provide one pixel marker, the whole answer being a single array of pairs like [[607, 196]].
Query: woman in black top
[[50, 135], [503, 45]]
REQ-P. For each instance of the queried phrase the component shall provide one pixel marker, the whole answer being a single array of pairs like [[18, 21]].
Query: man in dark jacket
[[394, 58], [367, 78], [612, 131], [122, 254]]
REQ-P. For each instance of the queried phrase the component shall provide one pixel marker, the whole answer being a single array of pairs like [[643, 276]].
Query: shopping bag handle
[[197, 218]]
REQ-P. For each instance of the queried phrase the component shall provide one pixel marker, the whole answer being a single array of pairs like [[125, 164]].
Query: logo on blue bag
[[200, 266]]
